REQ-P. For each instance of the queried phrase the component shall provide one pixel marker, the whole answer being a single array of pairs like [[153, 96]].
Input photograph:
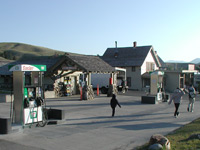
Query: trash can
[[5, 125]]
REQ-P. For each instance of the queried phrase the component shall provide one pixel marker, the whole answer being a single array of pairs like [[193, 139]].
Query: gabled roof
[[85, 63], [128, 56], [90, 63]]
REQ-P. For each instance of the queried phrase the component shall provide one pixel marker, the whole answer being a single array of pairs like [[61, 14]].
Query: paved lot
[[88, 125]]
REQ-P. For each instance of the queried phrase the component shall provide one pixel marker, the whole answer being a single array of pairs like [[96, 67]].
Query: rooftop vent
[[135, 44], [116, 50]]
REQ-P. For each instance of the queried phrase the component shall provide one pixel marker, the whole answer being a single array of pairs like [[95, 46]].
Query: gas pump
[[28, 94], [157, 84], [68, 86]]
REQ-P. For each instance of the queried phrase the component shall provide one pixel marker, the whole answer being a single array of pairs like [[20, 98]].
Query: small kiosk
[[156, 86], [28, 94]]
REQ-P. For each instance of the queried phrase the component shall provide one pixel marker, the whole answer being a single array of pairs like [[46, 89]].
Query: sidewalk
[[88, 125]]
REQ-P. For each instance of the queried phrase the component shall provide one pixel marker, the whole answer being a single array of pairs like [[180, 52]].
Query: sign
[[69, 68], [32, 115], [191, 67], [26, 67]]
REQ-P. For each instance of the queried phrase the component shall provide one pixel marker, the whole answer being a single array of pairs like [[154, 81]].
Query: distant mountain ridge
[[20, 51], [175, 61], [195, 61]]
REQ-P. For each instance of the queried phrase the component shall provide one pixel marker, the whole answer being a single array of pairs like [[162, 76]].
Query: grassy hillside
[[20, 51], [4, 59]]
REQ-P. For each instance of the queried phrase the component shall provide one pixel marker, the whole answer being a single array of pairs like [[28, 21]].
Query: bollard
[[97, 90], [110, 81]]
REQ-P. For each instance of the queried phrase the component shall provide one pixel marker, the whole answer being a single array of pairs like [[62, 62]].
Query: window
[[133, 69], [129, 81], [150, 66]]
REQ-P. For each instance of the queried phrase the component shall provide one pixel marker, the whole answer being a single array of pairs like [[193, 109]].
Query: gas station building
[[72, 70]]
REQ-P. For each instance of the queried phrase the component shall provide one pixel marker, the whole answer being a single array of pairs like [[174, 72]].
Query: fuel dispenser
[[157, 84], [28, 94]]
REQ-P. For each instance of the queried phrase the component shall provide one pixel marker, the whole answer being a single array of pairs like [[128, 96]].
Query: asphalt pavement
[[88, 125]]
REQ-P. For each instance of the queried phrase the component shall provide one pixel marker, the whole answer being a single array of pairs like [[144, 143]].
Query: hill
[[196, 61], [5, 60], [175, 61], [20, 51]]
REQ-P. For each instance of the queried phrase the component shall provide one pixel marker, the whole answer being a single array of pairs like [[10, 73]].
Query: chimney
[[115, 44], [135, 44]]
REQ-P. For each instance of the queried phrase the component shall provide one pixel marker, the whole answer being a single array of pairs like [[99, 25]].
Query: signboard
[[26, 67], [32, 115], [191, 67], [69, 68]]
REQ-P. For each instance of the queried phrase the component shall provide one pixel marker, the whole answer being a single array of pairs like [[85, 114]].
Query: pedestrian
[[176, 98], [192, 95], [113, 104]]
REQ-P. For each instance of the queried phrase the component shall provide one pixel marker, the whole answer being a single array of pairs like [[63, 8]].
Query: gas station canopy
[[26, 67]]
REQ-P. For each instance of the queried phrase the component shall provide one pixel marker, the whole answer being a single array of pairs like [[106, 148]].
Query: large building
[[139, 61]]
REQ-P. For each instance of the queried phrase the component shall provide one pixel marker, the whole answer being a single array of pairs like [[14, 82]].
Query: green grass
[[179, 138]]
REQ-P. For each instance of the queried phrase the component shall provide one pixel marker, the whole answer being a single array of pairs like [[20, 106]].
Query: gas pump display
[[32, 105], [28, 97], [67, 83]]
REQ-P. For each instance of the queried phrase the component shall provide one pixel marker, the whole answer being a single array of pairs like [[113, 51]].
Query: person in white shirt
[[176, 98]]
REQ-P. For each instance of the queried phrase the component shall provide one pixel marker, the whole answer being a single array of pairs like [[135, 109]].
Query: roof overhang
[[77, 62], [189, 71]]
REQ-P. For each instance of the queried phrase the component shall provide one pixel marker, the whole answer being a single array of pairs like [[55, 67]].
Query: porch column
[[88, 93], [18, 86], [112, 89]]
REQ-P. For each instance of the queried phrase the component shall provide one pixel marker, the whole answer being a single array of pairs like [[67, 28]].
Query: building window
[[129, 81], [133, 69], [150, 66]]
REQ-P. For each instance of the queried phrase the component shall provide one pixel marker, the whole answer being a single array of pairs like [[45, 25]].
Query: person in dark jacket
[[192, 95], [113, 104]]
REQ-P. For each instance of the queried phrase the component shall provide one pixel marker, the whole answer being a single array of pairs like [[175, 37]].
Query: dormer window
[[116, 54]]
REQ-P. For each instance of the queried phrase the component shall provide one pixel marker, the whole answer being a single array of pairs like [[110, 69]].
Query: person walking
[[192, 95], [113, 103], [176, 98]]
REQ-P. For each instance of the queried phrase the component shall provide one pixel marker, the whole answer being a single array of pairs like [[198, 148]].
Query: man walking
[[192, 95]]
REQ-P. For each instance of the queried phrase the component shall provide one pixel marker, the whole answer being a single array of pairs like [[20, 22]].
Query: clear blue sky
[[172, 27]]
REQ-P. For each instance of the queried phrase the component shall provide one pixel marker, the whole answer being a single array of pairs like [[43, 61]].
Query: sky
[[89, 27]]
